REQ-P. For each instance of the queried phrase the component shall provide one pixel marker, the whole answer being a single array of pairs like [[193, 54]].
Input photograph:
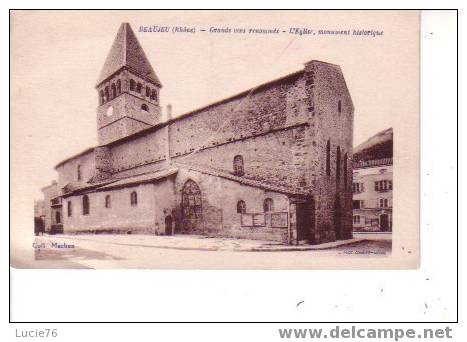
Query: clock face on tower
[[109, 111]]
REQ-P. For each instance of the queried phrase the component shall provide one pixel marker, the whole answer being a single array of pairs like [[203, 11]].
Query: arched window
[[101, 97], [78, 172], [134, 199], [58, 219], [114, 91], [139, 87], [108, 204], [153, 95], [106, 93], [85, 205], [145, 107], [338, 163], [339, 106], [238, 166], [119, 87], [241, 207], [192, 210], [132, 85], [345, 171], [148, 91], [69, 209], [328, 158], [268, 205]]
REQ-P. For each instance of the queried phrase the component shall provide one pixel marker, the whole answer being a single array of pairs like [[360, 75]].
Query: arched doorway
[[168, 225], [192, 211], [338, 218]]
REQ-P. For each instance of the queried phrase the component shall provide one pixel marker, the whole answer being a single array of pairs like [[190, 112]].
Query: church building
[[272, 163]]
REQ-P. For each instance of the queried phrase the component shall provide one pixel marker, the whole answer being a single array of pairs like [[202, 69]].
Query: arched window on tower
[[338, 163], [85, 205], [241, 207], [119, 87], [145, 107], [139, 87], [134, 199], [106, 92], [345, 172], [132, 85], [148, 92], [114, 91], [78, 172], [238, 166], [339, 106], [268, 205], [328, 158], [153, 95], [101, 97]]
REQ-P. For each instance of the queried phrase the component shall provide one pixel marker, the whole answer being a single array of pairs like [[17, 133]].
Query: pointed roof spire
[[127, 52]]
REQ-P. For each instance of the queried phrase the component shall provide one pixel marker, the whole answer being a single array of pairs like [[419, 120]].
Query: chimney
[[168, 113]]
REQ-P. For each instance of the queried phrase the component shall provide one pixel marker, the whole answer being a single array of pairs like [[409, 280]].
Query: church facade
[[271, 163]]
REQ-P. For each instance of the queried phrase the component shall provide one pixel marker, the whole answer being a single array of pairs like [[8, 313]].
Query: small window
[[132, 85], [357, 188], [153, 95], [85, 205], [134, 199], [78, 172], [69, 209], [241, 207], [383, 185], [101, 97], [144, 107], [238, 166], [119, 87], [328, 158], [357, 204], [108, 203], [139, 87], [339, 106], [383, 203], [268, 205], [106, 93], [356, 219], [148, 92]]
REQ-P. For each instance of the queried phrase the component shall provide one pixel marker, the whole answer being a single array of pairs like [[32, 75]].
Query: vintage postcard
[[215, 139]]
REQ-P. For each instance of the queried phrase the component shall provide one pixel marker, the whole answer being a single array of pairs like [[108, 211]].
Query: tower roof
[[127, 52]]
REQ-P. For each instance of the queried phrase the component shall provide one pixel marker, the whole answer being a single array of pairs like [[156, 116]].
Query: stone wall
[[219, 203], [328, 86], [146, 217], [68, 171]]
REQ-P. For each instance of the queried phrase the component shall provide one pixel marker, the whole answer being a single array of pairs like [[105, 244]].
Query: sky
[[57, 56]]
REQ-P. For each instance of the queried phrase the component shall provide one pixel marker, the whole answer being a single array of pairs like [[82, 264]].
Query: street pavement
[[193, 252]]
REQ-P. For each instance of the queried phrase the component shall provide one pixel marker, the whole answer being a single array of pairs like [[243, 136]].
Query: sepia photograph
[[215, 140]]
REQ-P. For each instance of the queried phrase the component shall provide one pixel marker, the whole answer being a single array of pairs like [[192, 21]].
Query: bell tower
[[128, 90]]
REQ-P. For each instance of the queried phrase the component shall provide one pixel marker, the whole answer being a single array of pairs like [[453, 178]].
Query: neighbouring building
[[372, 184], [272, 162], [39, 217]]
